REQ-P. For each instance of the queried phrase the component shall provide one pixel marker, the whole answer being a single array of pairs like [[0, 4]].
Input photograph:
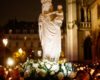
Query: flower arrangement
[[44, 69]]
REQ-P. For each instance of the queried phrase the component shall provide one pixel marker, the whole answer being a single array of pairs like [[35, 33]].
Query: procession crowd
[[80, 72]]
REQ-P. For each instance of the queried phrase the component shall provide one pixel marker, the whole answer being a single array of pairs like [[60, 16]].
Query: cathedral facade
[[83, 21]]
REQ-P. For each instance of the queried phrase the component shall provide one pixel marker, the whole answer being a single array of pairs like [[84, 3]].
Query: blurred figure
[[82, 75], [2, 73], [15, 74], [98, 46], [21, 75], [96, 75]]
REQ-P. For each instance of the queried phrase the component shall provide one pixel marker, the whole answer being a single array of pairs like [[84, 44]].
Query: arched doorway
[[87, 48]]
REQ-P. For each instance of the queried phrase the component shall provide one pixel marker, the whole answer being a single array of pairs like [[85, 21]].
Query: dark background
[[23, 10]]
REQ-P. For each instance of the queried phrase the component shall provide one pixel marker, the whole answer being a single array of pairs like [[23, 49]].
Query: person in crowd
[[2, 73], [82, 75], [15, 74]]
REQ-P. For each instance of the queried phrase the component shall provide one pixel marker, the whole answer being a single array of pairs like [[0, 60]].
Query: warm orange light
[[10, 62], [5, 41], [20, 51]]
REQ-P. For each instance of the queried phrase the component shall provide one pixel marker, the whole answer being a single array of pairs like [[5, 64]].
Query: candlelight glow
[[10, 62], [20, 50], [5, 41]]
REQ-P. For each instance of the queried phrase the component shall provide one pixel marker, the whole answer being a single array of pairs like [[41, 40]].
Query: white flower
[[55, 68], [31, 61], [69, 64], [35, 65], [28, 68], [42, 63], [64, 69], [69, 68], [48, 65], [45, 60]]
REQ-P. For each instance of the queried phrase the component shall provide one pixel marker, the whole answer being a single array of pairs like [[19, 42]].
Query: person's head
[[59, 8], [82, 75]]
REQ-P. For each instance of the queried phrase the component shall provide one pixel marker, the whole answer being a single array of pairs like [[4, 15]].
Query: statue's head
[[45, 1], [46, 4], [59, 7]]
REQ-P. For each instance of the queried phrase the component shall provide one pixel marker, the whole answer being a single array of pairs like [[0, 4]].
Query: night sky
[[22, 10]]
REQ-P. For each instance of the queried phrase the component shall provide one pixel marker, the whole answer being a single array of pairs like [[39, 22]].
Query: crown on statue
[[44, 1]]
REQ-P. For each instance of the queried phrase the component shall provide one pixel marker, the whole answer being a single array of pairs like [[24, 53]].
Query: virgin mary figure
[[49, 30]]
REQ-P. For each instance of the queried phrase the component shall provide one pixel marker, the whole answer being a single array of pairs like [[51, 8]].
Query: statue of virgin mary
[[50, 30]]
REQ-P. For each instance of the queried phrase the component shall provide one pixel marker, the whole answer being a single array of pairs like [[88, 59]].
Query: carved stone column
[[72, 39], [85, 14]]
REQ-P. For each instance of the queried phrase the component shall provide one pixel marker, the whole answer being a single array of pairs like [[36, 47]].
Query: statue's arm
[[60, 16], [59, 19]]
